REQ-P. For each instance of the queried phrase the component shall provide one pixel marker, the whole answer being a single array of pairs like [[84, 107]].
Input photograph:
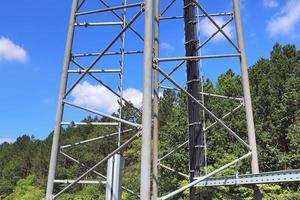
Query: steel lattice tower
[[190, 12]]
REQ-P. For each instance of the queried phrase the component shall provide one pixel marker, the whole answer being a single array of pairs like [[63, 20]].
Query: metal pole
[[231, 132], [155, 104], [60, 107], [110, 9], [103, 114], [246, 88], [147, 98], [247, 97], [120, 148], [122, 62], [104, 51], [119, 17], [95, 172], [202, 178], [191, 58]]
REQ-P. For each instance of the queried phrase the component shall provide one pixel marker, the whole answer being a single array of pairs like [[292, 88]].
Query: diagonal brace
[[104, 85], [204, 108], [198, 48], [120, 18], [203, 178], [216, 25], [120, 148], [95, 172], [103, 114], [104, 51]]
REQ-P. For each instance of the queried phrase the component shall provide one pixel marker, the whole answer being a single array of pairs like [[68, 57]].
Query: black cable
[[196, 135]]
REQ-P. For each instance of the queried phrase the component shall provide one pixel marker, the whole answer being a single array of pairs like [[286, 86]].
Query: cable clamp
[[192, 22], [192, 40], [200, 146], [193, 80], [195, 123], [188, 5]]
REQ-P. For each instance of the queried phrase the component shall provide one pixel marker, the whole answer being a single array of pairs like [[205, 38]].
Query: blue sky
[[32, 41]]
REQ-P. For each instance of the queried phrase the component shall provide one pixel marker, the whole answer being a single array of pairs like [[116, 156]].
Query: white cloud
[[207, 28], [167, 46], [285, 22], [8, 140], [10, 51], [134, 96], [98, 97], [270, 3]]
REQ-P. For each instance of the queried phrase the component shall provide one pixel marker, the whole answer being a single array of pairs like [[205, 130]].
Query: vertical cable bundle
[[196, 136]]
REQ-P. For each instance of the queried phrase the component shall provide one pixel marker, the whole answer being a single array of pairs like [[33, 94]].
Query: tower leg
[[60, 107], [155, 103], [114, 177], [247, 95], [147, 109]]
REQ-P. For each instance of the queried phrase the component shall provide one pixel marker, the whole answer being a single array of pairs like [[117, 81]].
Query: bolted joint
[[143, 4]]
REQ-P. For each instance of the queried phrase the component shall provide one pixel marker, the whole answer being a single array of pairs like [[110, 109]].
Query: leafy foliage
[[275, 89], [26, 189]]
